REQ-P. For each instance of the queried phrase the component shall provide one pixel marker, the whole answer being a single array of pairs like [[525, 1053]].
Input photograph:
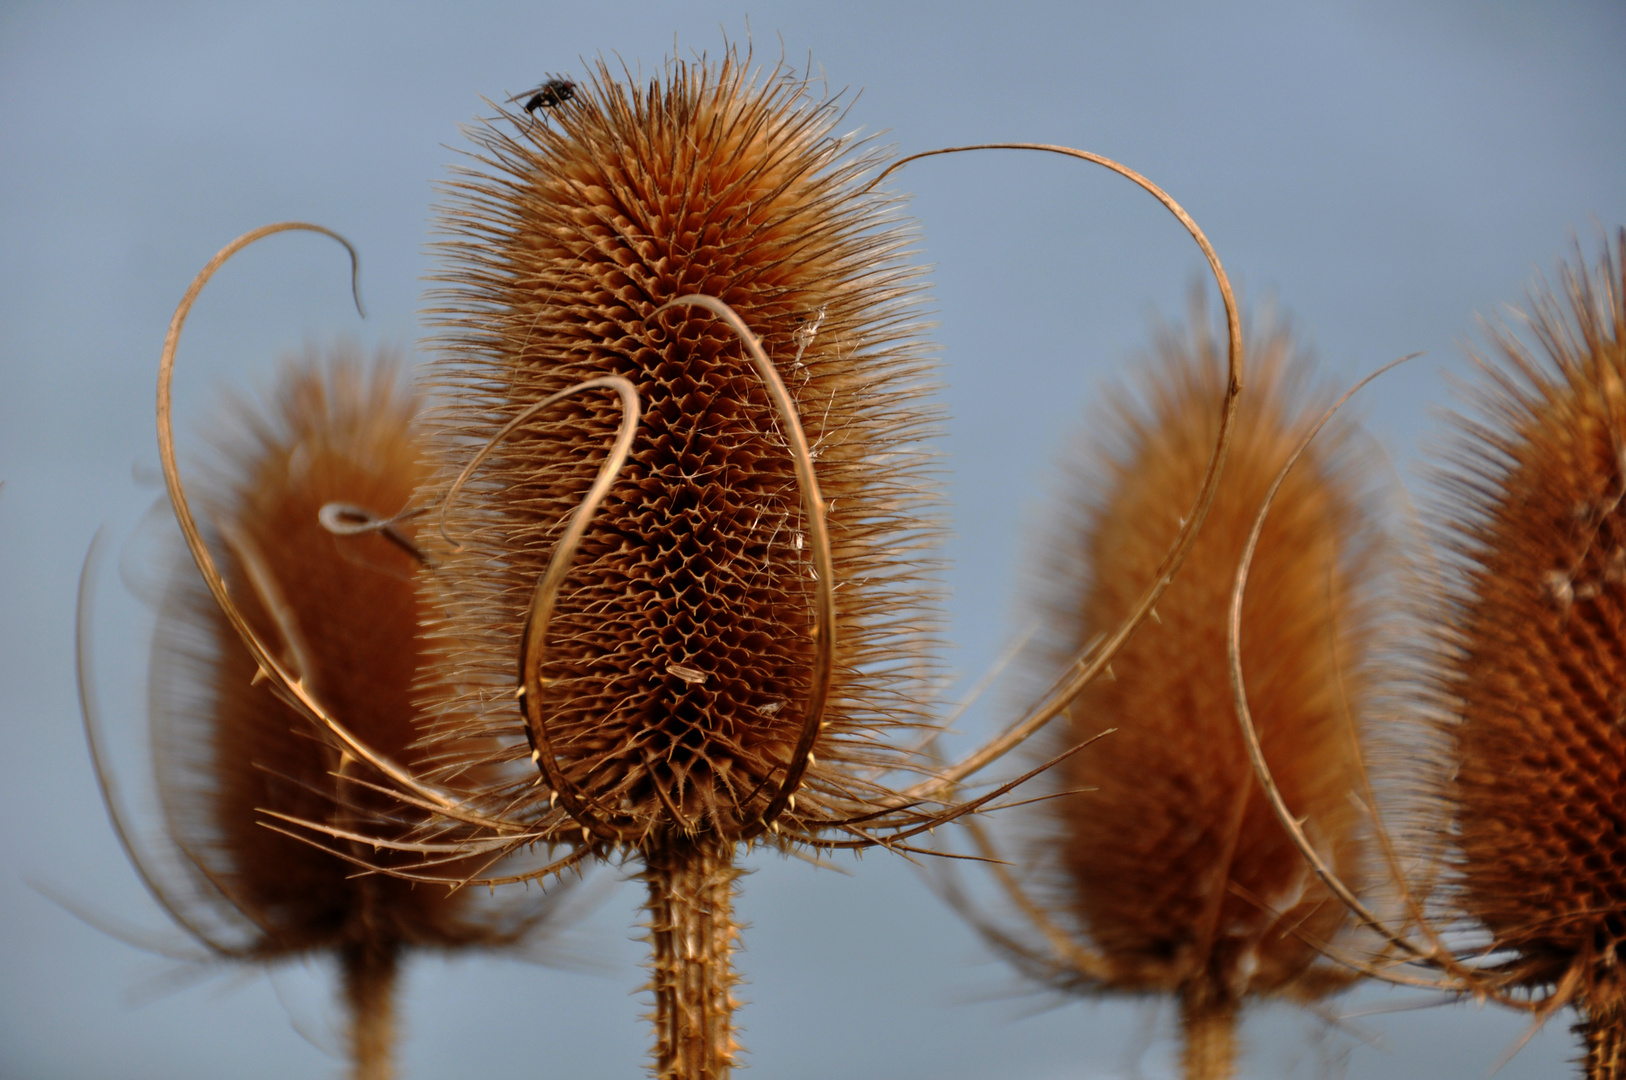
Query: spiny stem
[[1604, 1030], [692, 934], [1208, 1030], [369, 990]]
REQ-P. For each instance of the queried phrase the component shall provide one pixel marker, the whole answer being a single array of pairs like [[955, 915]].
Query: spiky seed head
[[343, 613], [1534, 651], [1171, 862], [679, 653]]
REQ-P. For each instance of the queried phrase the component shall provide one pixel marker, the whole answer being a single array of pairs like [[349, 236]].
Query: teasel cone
[[669, 710], [1532, 656], [1159, 866], [294, 496]]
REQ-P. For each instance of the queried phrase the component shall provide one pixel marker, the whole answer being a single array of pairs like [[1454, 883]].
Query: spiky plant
[[661, 578], [683, 705], [289, 494], [1162, 868], [1533, 672]]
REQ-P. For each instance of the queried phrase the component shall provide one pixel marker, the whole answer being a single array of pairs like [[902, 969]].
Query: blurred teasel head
[[1162, 868], [1532, 655], [679, 670], [288, 496]]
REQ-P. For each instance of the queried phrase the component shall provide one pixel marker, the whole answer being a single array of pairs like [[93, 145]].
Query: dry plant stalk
[[1160, 867], [701, 683], [706, 602], [1533, 654], [341, 605]]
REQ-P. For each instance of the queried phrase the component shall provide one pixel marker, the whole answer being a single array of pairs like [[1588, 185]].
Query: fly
[[550, 95]]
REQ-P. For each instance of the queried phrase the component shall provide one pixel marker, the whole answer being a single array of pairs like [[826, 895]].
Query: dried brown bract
[[1533, 672], [1161, 868]]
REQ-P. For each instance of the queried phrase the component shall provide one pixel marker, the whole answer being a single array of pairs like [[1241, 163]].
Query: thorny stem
[[369, 970], [1603, 1028], [692, 936], [1208, 1033]]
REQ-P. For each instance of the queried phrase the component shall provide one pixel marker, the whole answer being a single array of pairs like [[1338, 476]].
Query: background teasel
[[1159, 866], [1522, 694], [341, 608], [1532, 654]]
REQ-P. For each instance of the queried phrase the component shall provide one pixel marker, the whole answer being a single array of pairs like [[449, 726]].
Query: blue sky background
[[1387, 171]]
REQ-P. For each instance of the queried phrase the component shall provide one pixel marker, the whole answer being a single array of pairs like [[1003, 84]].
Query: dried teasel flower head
[[1533, 653], [716, 591], [1168, 872], [681, 660], [289, 497]]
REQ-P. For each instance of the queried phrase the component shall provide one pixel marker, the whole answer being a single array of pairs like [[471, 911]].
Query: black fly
[[550, 95]]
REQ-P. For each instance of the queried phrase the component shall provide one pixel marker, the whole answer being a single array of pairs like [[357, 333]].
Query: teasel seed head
[[284, 493], [680, 656], [1167, 864], [1533, 653]]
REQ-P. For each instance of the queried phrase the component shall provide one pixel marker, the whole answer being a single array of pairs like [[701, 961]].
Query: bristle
[[1171, 865], [1534, 654], [680, 651]]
